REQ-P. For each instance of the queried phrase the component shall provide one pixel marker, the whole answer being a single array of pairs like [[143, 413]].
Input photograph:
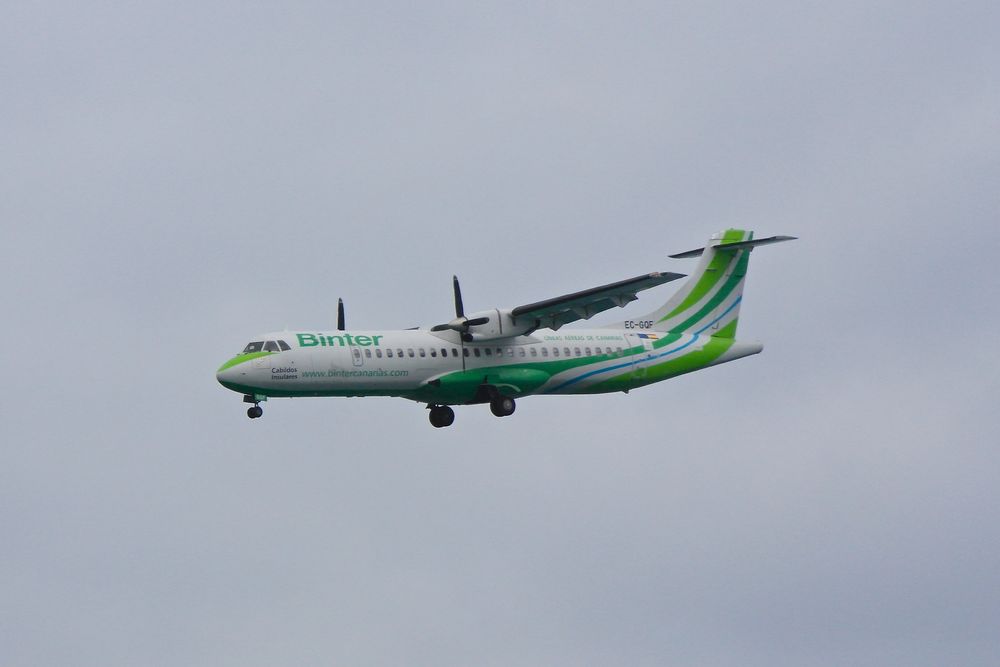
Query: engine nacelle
[[499, 324]]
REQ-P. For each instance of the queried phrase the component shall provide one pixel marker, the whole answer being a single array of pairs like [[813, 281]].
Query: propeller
[[461, 323], [459, 308], [340, 315]]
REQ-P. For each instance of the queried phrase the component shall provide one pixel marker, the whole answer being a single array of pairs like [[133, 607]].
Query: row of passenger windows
[[410, 352], [509, 352]]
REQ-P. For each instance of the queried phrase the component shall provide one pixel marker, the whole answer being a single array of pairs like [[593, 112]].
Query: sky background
[[177, 177]]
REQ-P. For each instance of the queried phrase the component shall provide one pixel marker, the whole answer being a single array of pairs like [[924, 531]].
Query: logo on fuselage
[[314, 340]]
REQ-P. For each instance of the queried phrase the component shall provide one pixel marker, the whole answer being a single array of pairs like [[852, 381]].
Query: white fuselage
[[407, 363]]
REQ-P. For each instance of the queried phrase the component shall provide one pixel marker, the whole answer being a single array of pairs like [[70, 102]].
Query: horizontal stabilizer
[[734, 246]]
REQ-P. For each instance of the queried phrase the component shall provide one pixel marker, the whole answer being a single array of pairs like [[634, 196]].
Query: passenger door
[[642, 361]]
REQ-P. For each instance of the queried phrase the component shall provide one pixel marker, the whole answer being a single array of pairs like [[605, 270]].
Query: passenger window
[[586, 351], [465, 351], [368, 353], [388, 353], [520, 351], [545, 351], [423, 353], [510, 352], [619, 351], [607, 350], [434, 352], [576, 351], [555, 352], [283, 345], [566, 351], [489, 352], [444, 352], [378, 352], [271, 346], [254, 347], [399, 352], [409, 352], [477, 351], [534, 352], [499, 352], [454, 351]]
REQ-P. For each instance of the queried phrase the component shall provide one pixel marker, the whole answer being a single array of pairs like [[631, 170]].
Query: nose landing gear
[[256, 411], [441, 416]]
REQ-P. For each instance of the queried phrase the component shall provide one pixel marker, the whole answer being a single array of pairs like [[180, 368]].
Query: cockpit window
[[254, 347], [283, 345], [270, 346]]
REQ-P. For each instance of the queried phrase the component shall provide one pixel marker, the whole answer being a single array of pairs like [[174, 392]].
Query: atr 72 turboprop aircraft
[[496, 356]]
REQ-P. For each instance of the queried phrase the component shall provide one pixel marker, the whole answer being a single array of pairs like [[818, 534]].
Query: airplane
[[497, 356]]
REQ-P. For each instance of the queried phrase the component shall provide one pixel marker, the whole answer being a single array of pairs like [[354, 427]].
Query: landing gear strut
[[502, 406], [441, 416]]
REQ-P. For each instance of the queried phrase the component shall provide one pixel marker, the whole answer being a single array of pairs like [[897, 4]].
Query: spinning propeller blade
[[459, 308], [461, 323]]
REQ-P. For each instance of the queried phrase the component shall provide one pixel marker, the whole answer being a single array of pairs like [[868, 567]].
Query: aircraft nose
[[226, 374]]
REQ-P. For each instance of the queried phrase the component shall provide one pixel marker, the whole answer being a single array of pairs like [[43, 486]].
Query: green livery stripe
[[453, 388], [692, 361], [728, 331], [621, 382], [558, 366], [732, 236], [522, 378], [720, 296], [709, 279], [305, 392], [667, 339], [241, 358], [711, 276]]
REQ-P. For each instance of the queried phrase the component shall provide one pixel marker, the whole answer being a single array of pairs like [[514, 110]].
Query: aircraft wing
[[553, 313]]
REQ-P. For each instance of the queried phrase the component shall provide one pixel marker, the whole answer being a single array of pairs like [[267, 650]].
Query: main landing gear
[[256, 411], [442, 415], [502, 406]]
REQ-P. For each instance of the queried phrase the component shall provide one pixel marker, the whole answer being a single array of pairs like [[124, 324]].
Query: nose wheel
[[256, 411], [441, 416]]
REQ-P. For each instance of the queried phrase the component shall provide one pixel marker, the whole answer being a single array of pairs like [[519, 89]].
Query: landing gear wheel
[[502, 406], [255, 412], [441, 416]]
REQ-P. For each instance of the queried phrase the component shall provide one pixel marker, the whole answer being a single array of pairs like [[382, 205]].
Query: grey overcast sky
[[178, 176]]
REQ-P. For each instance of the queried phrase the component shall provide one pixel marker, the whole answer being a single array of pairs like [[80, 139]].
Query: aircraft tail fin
[[709, 301]]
